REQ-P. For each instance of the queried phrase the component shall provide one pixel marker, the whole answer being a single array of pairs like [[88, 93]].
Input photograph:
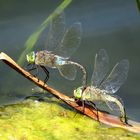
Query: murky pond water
[[112, 25]]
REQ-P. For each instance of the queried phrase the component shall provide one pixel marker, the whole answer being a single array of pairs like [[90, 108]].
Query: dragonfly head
[[78, 93], [31, 57]]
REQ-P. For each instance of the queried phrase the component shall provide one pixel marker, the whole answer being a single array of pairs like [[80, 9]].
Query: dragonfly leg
[[83, 105], [37, 72], [94, 106], [36, 67], [47, 74], [33, 67], [79, 103]]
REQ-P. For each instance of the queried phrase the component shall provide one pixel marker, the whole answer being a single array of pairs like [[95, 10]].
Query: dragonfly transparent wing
[[56, 32], [116, 78], [70, 41], [100, 68], [68, 71]]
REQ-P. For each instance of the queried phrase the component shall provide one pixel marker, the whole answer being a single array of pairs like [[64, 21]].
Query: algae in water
[[53, 120]]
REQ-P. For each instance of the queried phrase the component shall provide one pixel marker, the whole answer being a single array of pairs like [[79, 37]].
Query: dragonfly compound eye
[[78, 93], [30, 57]]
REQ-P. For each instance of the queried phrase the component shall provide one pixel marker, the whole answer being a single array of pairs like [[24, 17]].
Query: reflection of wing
[[56, 32], [70, 41], [116, 78], [100, 68], [68, 71]]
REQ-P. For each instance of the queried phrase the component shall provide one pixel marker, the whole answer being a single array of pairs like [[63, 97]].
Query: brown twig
[[91, 112]]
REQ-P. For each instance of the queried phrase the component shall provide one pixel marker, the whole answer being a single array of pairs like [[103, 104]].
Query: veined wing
[[100, 68], [116, 78], [68, 71], [56, 32], [70, 41]]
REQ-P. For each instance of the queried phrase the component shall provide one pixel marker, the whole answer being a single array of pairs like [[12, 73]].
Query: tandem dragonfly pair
[[61, 44]]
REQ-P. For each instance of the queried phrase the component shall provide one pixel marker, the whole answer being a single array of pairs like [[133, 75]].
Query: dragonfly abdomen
[[109, 98]]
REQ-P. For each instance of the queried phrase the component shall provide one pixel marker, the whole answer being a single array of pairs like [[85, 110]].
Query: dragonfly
[[104, 86], [61, 43]]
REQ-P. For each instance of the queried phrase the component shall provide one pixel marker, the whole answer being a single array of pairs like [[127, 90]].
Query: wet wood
[[91, 112]]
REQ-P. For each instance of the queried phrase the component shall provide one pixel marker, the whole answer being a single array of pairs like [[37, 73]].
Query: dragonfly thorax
[[92, 93], [49, 59], [45, 58]]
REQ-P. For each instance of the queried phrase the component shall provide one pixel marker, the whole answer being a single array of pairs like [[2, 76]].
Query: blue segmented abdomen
[[60, 61]]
